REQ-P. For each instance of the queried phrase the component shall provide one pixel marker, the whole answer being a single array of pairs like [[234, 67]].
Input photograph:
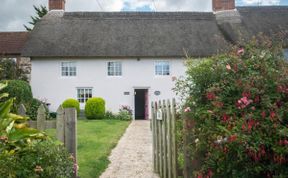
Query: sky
[[15, 13]]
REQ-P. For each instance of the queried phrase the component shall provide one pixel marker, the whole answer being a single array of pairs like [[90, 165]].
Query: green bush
[[95, 108], [32, 108], [110, 115], [19, 89], [38, 161], [239, 103], [27, 152], [71, 103]]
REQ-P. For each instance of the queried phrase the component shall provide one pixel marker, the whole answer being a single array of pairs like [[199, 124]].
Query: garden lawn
[[96, 139]]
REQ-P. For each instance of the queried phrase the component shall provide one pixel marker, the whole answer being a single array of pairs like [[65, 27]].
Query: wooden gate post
[[60, 121], [22, 110], [41, 118], [70, 130]]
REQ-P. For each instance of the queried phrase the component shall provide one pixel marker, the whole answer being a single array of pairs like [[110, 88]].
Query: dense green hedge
[[19, 89], [95, 108], [239, 102], [71, 103]]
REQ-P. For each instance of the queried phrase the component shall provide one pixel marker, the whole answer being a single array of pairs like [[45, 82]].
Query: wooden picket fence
[[65, 125], [164, 138]]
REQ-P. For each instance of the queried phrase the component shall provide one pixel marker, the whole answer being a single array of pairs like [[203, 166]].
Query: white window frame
[[285, 51], [115, 70], [163, 71], [86, 90], [70, 66]]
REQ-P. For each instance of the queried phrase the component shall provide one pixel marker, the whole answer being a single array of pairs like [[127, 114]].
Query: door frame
[[146, 101]]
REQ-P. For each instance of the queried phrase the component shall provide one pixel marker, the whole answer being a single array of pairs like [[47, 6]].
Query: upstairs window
[[68, 69], [114, 69], [83, 94], [162, 68], [286, 54]]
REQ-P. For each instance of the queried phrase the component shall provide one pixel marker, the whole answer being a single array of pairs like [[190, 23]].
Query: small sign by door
[[159, 115]]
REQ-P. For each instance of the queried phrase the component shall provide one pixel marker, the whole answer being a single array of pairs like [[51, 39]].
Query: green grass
[[96, 139]]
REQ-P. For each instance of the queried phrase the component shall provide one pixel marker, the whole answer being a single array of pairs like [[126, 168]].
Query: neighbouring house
[[11, 45], [132, 58]]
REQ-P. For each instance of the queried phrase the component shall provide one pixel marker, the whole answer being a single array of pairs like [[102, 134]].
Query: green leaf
[[19, 134], [9, 128], [224, 129], [5, 108]]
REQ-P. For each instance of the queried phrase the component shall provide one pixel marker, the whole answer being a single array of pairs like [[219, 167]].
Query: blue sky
[[15, 13]]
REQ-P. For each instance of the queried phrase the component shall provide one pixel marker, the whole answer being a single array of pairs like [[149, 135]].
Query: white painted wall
[[47, 82]]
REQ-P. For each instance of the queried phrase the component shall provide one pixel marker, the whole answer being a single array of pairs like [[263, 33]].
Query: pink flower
[[188, 109], [228, 67], [243, 102], [210, 96], [232, 138], [225, 118], [240, 51]]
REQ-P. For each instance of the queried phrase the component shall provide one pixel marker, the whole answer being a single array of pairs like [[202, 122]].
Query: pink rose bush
[[241, 112]]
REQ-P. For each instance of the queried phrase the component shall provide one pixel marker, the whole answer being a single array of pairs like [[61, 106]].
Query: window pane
[[162, 68], [114, 68], [84, 94], [68, 68]]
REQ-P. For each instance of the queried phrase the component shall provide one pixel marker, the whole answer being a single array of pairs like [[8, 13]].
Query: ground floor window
[[83, 94]]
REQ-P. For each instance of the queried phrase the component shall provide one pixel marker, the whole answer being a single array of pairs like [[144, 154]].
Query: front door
[[141, 97]]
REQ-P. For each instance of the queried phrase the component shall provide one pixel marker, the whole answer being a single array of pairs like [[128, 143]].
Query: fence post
[[160, 137], [164, 137], [173, 139], [60, 132], [41, 118], [169, 152], [22, 110], [157, 138], [70, 129], [153, 136]]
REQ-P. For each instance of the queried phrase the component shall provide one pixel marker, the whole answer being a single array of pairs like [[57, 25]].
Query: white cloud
[[261, 2], [172, 5]]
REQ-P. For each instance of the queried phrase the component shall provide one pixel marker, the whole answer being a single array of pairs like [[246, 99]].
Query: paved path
[[132, 157]]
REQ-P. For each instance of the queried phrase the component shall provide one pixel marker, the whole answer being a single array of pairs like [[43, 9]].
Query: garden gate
[[164, 138]]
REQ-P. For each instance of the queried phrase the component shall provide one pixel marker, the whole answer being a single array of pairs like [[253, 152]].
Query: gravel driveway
[[132, 157]]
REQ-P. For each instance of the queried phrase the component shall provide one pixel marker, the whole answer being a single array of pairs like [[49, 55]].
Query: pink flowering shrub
[[239, 102]]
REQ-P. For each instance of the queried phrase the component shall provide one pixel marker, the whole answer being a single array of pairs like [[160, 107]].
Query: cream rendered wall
[[48, 84]]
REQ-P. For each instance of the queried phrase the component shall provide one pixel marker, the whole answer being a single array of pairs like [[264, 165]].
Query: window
[[286, 54], [162, 68], [83, 94], [68, 68], [114, 68]]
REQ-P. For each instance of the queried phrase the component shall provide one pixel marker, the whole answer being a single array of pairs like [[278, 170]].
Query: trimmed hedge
[[71, 103], [95, 108]]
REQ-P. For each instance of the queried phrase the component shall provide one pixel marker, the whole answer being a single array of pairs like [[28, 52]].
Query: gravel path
[[132, 157]]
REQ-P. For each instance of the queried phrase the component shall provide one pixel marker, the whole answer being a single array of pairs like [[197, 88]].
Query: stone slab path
[[132, 157]]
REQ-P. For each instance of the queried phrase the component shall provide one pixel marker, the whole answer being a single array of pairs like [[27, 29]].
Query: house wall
[[48, 84]]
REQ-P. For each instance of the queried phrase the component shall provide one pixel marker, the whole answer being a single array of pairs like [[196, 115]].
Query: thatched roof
[[148, 34]]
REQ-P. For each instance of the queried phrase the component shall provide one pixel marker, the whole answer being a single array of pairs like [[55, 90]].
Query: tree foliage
[[41, 11], [9, 70]]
